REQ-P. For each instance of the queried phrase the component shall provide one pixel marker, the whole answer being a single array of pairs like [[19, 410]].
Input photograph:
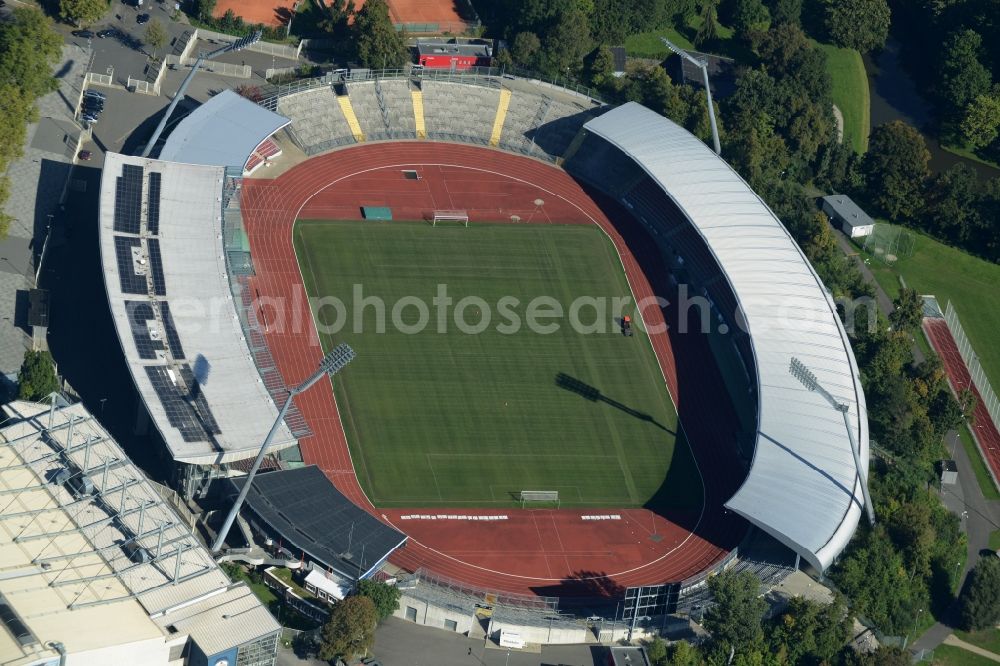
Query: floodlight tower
[[238, 45], [331, 364], [701, 64], [799, 370]]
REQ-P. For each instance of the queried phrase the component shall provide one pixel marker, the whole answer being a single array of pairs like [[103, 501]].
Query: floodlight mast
[[331, 364], [701, 64], [238, 45], [799, 370]]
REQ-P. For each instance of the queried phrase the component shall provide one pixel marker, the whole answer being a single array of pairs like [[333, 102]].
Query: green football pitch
[[443, 416]]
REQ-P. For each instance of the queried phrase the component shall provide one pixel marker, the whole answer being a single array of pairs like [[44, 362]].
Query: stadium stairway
[[352, 120], [315, 126], [383, 109], [417, 98], [500, 116]]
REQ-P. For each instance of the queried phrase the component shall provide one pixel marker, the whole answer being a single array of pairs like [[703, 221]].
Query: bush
[[37, 377]]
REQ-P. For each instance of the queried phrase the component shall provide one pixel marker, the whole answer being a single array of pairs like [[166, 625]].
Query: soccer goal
[[548, 496], [451, 216]]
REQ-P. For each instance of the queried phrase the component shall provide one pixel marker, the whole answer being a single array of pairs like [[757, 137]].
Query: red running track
[[983, 427], [550, 552]]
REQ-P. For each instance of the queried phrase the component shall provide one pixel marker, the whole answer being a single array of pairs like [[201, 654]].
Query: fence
[[142, 86], [483, 76], [493, 598], [221, 68], [270, 73], [101, 79], [976, 371], [439, 27], [277, 50]]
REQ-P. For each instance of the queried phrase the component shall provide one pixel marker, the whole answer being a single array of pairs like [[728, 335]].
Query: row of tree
[[29, 49], [956, 205]]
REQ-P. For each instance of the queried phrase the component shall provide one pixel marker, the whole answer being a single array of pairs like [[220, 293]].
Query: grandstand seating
[[456, 112], [265, 151], [390, 117], [318, 122], [522, 121]]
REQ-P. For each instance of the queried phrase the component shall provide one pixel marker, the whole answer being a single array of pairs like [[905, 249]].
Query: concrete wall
[[558, 633], [431, 615]]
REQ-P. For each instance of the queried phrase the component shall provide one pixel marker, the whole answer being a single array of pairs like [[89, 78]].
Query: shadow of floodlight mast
[[593, 394]]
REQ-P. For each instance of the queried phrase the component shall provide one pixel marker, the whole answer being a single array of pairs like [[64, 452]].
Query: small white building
[[848, 216]]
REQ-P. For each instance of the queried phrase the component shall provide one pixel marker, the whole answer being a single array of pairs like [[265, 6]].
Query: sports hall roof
[[166, 276], [802, 486], [221, 132], [310, 514], [109, 572]]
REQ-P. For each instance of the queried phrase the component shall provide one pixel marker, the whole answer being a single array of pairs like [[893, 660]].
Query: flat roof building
[[96, 568], [847, 215]]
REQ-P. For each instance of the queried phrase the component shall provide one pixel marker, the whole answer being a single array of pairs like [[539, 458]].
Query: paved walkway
[[975, 649], [37, 180]]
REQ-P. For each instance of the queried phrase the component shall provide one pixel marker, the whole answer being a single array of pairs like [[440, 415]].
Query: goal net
[[548, 496], [451, 216]]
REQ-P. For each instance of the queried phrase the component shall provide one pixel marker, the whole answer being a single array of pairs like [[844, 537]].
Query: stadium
[[524, 469]]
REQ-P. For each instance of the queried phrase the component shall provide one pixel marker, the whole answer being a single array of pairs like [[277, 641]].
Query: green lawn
[[850, 93], [968, 153], [988, 639], [649, 45], [951, 274], [983, 478], [459, 419], [994, 544], [949, 655]]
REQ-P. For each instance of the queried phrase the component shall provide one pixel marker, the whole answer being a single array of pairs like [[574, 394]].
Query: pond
[[894, 96]]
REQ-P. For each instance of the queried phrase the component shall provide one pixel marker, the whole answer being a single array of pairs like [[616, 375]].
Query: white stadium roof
[[221, 132], [166, 277], [802, 487]]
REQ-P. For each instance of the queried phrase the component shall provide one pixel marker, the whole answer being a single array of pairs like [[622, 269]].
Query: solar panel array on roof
[[156, 267], [186, 408], [128, 200], [173, 340], [153, 204], [139, 314], [304, 507], [131, 282]]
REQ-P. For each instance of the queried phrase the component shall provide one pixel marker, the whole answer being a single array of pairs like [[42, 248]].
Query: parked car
[[94, 93], [85, 155], [89, 118], [142, 19], [110, 32], [85, 34]]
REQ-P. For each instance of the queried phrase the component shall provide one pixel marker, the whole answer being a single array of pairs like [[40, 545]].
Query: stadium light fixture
[[240, 44], [331, 364], [702, 64], [808, 379]]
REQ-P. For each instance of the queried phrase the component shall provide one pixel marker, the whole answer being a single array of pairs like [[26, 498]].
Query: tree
[[379, 44], [786, 11], [954, 205], [602, 66], [204, 9], [566, 42], [735, 620], [908, 311], [656, 652], [384, 596], [963, 77], [29, 47], [156, 35], [858, 24], [350, 631], [982, 121], [808, 632], [82, 12], [749, 15], [525, 49], [708, 31], [252, 93], [37, 376], [981, 596], [897, 166]]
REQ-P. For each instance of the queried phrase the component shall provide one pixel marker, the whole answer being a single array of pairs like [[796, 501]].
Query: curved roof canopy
[[803, 486], [168, 286], [221, 132]]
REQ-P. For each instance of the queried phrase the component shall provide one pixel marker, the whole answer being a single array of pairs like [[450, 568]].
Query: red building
[[453, 55]]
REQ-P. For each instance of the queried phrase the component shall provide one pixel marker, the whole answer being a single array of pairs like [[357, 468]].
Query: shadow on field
[[593, 394]]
